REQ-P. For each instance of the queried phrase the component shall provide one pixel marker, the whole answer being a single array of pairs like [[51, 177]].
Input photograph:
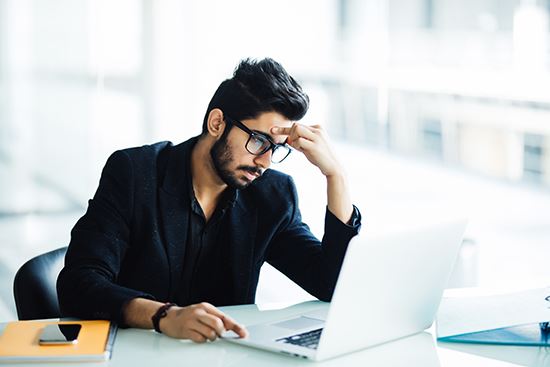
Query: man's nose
[[263, 160]]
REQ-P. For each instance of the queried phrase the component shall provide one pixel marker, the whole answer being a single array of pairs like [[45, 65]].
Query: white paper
[[460, 315]]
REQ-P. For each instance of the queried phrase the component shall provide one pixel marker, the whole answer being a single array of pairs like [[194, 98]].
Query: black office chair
[[34, 286]]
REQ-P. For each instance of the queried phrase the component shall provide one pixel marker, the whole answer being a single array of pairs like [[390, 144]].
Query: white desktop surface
[[135, 347]]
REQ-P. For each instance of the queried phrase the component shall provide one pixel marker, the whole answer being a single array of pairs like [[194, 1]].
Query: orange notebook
[[19, 342]]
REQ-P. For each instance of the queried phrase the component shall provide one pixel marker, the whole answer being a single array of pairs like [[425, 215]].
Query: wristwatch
[[161, 312]]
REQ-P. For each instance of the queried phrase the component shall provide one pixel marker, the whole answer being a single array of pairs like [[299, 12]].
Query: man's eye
[[259, 142]]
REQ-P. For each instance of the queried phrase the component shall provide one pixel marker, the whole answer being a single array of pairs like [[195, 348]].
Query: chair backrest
[[34, 287]]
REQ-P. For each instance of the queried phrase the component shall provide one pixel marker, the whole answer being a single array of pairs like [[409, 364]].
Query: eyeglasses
[[258, 143]]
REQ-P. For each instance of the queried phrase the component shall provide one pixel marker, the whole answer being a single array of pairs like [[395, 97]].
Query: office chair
[[34, 286]]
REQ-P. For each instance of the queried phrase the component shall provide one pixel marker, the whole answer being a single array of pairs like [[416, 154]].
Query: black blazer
[[131, 240]]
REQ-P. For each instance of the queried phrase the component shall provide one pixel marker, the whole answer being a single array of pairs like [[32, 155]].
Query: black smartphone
[[59, 334]]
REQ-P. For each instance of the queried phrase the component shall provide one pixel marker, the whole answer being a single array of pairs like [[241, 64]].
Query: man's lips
[[251, 175]]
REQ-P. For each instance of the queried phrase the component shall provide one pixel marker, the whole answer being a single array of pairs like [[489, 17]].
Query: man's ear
[[215, 123]]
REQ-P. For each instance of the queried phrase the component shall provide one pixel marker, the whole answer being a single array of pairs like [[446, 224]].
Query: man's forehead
[[279, 139], [265, 121], [263, 126]]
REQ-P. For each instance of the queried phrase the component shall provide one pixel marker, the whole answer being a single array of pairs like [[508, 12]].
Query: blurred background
[[435, 107]]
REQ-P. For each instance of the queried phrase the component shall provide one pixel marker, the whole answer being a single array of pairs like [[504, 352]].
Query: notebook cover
[[528, 335], [19, 342]]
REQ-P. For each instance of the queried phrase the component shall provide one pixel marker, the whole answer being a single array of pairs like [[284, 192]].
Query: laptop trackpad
[[301, 322]]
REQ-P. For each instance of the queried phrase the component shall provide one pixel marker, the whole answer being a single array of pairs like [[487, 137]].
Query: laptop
[[389, 287]]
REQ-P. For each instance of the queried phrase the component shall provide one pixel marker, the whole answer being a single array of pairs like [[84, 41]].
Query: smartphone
[[59, 334]]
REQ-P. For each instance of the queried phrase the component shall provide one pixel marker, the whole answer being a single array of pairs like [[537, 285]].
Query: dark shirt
[[205, 274]]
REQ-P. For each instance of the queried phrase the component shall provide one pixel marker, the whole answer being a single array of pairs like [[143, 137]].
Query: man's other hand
[[313, 142], [200, 322]]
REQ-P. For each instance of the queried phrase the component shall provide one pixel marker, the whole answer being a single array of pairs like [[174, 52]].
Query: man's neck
[[207, 186]]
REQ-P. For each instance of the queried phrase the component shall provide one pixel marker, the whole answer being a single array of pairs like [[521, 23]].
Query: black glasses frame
[[272, 145]]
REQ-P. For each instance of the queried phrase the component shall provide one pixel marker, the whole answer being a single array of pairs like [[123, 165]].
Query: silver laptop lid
[[390, 286]]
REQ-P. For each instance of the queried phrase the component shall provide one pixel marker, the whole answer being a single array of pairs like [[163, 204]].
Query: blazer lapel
[[175, 217], [174, 209]]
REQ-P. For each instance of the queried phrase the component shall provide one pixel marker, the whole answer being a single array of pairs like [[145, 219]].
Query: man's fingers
[[297, 131], [278, 130], [302, 144], [228, 322], [302, 131], [205, 330], [231, 324], [213, 322], [207, 307], [211, 309], [195, 336]]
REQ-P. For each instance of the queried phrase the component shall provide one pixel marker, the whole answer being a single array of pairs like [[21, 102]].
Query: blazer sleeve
[[314, 265], [86, 285]]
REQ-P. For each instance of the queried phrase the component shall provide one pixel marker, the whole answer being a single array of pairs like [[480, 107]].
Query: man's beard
[[222, 158]]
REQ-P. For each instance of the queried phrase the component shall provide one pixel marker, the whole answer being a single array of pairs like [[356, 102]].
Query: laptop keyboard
[[309, 339]]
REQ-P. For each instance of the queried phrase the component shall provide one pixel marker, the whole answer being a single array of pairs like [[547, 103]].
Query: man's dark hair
[[257, 87]]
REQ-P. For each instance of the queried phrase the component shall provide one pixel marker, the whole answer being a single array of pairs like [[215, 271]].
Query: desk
[[134, 347]]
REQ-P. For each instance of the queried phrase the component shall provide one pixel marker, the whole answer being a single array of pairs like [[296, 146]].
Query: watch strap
[[161, 312]]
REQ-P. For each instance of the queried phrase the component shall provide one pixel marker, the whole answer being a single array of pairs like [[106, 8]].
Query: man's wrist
[[336, 173], [160, 314]]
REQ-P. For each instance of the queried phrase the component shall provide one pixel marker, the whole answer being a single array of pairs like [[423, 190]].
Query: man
[[174, 231]]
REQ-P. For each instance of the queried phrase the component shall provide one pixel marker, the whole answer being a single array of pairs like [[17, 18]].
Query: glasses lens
[[257, 144], [280, 153]]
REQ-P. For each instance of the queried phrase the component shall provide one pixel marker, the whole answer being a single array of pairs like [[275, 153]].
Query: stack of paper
[[502, 319]]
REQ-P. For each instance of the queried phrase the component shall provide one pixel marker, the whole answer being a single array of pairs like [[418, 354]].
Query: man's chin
[[238, 183], [243, 183]]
